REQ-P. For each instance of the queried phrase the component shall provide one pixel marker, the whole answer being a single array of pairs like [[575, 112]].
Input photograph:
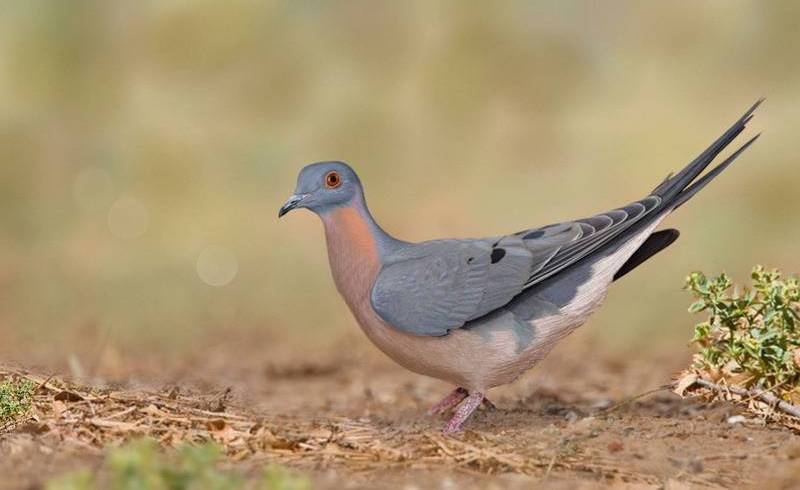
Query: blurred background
[[146, 147]]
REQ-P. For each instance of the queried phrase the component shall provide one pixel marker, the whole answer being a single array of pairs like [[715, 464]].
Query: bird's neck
[[356, 245]]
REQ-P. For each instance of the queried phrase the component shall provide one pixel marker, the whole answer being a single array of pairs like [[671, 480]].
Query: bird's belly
[[493, 351], [497, 348], [464, 357]]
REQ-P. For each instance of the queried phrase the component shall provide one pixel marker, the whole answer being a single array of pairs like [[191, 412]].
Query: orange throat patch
[[352, 252], [347, 227]]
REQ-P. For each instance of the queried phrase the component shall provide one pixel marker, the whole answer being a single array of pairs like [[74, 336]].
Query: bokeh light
[[217, 266]]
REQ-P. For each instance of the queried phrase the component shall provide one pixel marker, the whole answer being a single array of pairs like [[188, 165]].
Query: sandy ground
[[351, 419]]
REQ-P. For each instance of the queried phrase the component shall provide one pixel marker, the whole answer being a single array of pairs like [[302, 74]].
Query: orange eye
[[332, 180]]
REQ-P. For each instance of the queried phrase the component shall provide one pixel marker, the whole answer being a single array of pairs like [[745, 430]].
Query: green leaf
[[697, 306]]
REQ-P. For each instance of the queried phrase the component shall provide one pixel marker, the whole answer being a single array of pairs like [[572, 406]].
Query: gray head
[[324, 186]]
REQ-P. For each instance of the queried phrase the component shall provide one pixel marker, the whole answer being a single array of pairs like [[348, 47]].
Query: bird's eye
[[332, 180]]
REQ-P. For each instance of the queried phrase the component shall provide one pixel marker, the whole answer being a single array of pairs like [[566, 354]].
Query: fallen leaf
[[684, 383], [67, 396]]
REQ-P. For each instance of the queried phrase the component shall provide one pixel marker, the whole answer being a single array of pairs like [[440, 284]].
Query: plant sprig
[[16, 399], [752, 334]]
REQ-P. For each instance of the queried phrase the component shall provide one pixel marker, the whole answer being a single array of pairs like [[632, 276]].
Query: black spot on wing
[[498, 254], [534, 234]]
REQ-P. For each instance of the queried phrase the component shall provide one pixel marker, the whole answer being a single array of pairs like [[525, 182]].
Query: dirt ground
[[351, 419]]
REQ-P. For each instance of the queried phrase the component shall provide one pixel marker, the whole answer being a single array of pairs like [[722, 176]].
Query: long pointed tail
[[677, 189]]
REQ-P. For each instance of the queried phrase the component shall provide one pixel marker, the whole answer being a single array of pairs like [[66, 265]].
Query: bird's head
[[324, 186]]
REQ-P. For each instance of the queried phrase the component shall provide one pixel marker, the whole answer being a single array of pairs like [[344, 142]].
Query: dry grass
[[82, 418], [591, 445]]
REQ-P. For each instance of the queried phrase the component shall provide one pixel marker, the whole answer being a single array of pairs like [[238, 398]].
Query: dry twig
[[763, 395]]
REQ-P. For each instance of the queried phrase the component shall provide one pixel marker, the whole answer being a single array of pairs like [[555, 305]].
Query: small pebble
[[602, 404], [736, 419]]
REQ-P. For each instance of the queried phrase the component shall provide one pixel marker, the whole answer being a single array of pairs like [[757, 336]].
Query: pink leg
[[463, 412], [448, 402]]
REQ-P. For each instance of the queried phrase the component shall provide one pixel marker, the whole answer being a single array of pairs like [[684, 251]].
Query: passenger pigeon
[[479, 312]]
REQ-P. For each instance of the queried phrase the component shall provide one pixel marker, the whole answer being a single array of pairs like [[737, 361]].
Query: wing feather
[[433, 287], [622, 218]]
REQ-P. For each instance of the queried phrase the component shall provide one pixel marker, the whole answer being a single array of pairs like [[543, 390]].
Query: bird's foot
[[454, 398], [470, 403]]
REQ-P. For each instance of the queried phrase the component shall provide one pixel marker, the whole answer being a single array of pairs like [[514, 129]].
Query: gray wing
[[433, 287]]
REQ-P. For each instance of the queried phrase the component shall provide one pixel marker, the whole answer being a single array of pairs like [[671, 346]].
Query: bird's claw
[[451, 400], [464, 410]]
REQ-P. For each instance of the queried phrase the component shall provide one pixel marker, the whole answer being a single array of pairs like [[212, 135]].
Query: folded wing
[[433, 287]]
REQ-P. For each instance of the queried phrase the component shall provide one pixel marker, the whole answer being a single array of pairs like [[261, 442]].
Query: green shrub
[[16, 399], [140, 465], [751, 335], [277, 477]]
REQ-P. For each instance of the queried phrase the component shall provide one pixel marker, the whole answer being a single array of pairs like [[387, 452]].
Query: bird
[[479, 312]]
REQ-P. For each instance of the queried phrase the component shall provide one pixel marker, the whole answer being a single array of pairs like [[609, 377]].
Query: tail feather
[[693, 189], [655, 243], [673, 186], [676, 190]]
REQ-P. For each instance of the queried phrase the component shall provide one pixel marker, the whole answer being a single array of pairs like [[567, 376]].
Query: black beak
[[291, 203]]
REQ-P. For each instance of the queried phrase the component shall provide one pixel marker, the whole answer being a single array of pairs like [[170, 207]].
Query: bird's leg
[[470, 403], [448, 402]]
